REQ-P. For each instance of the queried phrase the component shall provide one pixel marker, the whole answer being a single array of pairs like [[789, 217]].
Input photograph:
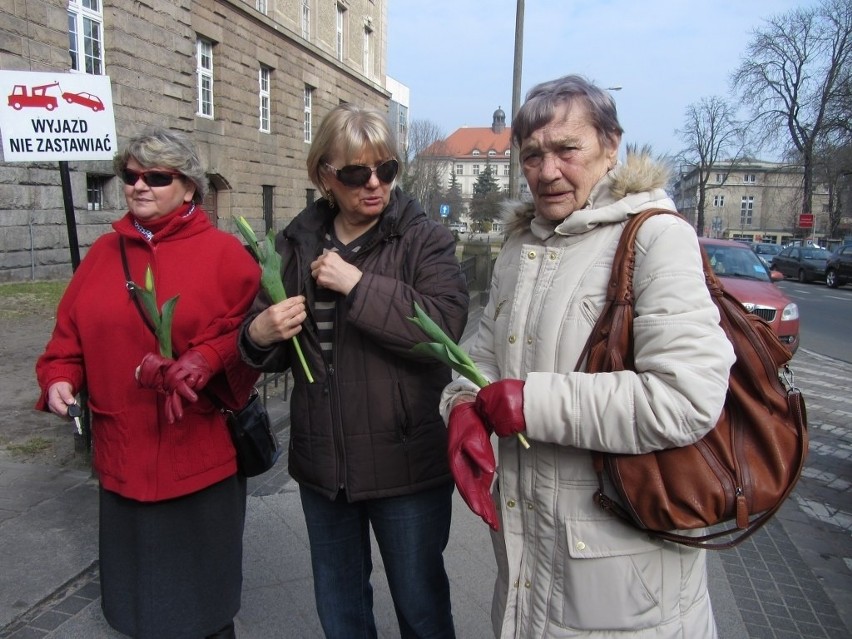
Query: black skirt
[[173, 569]]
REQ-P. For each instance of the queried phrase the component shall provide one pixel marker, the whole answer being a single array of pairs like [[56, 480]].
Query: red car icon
[[84, 99]]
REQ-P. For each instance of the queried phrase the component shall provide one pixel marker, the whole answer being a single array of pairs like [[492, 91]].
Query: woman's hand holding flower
[[501, 406], [278, 322]]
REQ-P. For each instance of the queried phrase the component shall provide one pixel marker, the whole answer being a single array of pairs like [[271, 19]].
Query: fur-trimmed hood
[[632, 186]]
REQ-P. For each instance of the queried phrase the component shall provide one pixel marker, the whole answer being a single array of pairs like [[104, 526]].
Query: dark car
[[805, 263], [766, 252], [838, 268], [746, 278]]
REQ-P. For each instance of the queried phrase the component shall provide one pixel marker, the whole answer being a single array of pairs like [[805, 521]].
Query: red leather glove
[[472, 461], [189, 373], [152, 371], [152, 374], [501, 406]]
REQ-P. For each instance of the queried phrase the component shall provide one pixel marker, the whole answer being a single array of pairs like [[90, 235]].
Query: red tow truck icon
[[34, 97]]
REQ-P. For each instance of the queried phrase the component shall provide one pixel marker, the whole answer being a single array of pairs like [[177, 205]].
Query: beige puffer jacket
[[566, 568]]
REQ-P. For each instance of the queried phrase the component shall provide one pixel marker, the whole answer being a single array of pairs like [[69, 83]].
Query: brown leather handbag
[[743, 469]]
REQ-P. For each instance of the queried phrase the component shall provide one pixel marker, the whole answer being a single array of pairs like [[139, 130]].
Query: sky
[[457, 56]]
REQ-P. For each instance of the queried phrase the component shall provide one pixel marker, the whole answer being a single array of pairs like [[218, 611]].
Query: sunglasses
[[359, 175], [151, 178]]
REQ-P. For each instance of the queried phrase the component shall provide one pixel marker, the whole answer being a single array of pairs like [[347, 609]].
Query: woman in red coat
[[172, 504]]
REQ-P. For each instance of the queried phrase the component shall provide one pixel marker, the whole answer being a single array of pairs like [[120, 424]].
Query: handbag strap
[[131, 286]]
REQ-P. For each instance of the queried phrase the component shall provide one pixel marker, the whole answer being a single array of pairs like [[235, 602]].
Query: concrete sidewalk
[[792, 579]]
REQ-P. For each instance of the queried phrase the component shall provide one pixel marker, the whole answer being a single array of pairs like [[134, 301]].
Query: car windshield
[[767, 249], [729, 261], [814, 254]]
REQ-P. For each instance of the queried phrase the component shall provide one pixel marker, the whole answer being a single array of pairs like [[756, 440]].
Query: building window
[[85, 29], [720, 177], [718, 201], [341, 21], [507, 153], [476, 169], [263, 97], [748, 178], [204, 72], [746, 209], [266, 203], [492, 153], [310, 196], [505, 169], [306, 19], [309, 93], [459, 169], [260, 5], [368, 52], [95, 192], [475, 152], [402, 125]]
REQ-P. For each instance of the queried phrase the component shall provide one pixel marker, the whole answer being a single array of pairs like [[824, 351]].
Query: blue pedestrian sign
[[445, 210]]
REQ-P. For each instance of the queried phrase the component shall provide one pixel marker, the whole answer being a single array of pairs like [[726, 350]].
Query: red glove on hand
[[152, 371], [152, 374], [472, 461], [189, 373], [501, 406]]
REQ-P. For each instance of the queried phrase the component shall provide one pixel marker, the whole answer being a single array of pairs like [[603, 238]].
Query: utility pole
[[516, 95]]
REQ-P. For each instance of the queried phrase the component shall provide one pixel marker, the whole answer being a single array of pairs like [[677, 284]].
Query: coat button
[[530, 506], [552, 256], [527, 583], [531, 255], [511, 503], [529, 340], [580, 545], [512, 339]]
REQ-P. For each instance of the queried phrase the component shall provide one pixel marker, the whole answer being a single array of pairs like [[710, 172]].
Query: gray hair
[[543, 99], [350, 130], [158, 147]]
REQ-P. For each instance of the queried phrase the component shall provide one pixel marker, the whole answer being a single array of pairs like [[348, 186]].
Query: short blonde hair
[[350, 130]]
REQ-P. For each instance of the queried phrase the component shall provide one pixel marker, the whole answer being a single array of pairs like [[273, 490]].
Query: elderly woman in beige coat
[[565, 567]]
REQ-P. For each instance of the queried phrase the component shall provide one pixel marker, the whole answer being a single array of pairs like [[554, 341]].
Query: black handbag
[[251, 431], [254, 440]]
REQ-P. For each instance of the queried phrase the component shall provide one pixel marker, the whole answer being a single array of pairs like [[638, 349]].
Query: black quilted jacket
[[369, 423]]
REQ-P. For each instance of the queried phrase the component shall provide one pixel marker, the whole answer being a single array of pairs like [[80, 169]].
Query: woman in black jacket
[[367, 444]]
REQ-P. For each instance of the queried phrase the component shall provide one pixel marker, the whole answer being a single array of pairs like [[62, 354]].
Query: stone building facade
[[752, 201], [249, 81]]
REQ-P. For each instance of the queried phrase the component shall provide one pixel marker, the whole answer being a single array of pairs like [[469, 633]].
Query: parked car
[[746, 278], [838, 268], [806, 263], [766, 252]]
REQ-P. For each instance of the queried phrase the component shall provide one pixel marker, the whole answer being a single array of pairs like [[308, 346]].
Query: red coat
[[99, 340]]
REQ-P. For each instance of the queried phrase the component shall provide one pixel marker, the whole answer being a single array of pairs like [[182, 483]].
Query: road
[[825, 316]]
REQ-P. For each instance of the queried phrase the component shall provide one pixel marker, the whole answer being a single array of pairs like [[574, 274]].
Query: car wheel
[[831, 278], [802, 277]]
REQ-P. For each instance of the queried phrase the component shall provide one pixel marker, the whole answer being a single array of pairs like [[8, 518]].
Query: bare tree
[[425, 162], [711, 134], [793, 74]]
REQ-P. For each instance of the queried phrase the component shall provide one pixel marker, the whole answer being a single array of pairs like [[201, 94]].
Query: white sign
[[56, 116]]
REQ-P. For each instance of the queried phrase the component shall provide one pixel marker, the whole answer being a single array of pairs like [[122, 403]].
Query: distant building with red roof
[[469, 150]]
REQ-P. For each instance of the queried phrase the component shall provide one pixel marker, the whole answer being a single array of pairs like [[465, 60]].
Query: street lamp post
[[516, 95]]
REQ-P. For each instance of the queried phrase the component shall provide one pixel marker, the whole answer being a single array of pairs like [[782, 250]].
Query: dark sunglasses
[[151, 178], [359, 175]]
